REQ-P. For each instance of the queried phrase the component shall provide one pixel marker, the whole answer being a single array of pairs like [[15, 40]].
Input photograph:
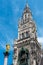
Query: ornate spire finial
[[27, 3]]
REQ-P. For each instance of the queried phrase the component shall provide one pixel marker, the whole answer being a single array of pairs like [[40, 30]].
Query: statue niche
[[23, 57]]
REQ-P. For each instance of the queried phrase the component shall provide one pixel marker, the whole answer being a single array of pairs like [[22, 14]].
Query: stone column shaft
[[6, 54], [5, 60]]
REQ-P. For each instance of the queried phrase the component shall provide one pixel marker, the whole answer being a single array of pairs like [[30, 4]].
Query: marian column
[[6, 54]]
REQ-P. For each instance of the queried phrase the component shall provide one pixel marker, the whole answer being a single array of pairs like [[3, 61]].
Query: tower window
[[23, 35], [20, 36], [25, 16], [27, 34]]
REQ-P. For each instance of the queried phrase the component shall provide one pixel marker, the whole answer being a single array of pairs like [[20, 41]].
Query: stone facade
[[27, 40]]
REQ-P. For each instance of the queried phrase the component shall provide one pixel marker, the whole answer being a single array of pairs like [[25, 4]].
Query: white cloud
[[40, 39], [40, 30]]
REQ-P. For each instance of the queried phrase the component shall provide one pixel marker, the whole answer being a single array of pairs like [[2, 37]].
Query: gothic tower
[[27, 50]]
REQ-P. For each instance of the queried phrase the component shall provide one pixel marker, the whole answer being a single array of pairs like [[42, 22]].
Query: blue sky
[[10, 12]]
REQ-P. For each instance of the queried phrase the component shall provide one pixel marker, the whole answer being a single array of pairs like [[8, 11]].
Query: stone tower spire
[[26, 15], [26, 47], [25, 22]]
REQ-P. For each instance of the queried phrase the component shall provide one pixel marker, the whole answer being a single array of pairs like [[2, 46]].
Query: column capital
[[6, 53]]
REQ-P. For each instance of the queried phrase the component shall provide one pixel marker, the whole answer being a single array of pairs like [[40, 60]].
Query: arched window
[[27, 34], [23, 36], [25, 17], [19, 36]]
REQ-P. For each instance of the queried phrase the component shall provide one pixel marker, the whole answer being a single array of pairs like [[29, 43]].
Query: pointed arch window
[[25, 17], [27, 34], [23, 36], [20, 36]]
